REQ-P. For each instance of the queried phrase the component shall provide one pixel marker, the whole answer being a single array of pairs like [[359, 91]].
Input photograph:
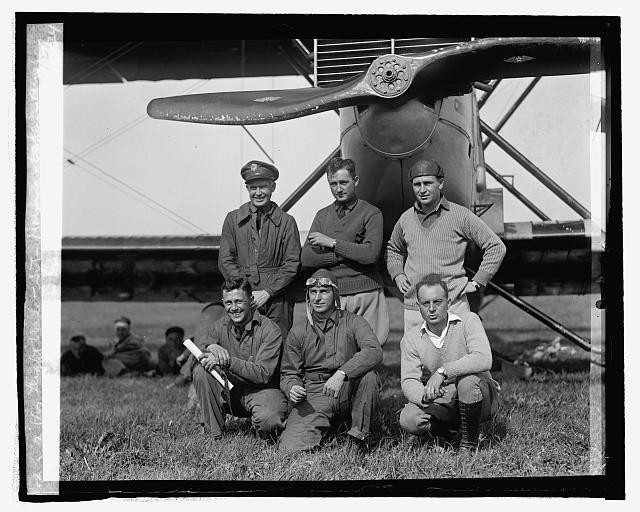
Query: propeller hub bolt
[[390, 75]]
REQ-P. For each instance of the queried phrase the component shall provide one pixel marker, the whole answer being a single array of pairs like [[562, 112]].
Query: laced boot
[[469, 425]]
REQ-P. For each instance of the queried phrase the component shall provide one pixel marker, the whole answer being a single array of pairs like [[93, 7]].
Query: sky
[[120, 154]]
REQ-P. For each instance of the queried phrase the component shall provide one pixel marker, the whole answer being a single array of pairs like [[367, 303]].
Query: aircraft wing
[[106, 61], [144, 269], [543, 258]]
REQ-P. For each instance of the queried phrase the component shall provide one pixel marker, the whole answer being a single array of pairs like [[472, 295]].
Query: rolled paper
[[191, 346]]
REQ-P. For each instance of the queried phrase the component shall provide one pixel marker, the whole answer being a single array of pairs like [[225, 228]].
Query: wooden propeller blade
[[441, 72], [258, 107], [484, 59]]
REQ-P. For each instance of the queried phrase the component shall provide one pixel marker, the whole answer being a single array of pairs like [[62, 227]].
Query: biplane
[[398, 100]]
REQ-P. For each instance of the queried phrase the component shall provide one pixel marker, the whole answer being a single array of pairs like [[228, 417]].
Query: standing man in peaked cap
[[260, 242], [431, 238]]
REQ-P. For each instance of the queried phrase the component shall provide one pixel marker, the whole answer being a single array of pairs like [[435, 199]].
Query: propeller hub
[[390, 75]]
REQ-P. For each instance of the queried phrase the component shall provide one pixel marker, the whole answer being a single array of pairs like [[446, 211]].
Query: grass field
[[135, 428]]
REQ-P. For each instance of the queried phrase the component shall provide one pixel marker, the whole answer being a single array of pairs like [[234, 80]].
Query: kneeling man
[[327, 369], [246, 346], [454, 349]]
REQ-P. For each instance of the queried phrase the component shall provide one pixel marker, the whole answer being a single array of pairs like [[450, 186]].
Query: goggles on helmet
[[322, 281]]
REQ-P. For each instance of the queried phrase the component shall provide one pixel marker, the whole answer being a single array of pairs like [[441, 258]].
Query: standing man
[[431, 237], [346, 238], [247, 348], [261, 242], [328, 369], [129, 352], [460, 392]]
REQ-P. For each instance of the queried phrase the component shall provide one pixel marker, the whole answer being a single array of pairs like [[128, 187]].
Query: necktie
[[342, 211], [258, 219]]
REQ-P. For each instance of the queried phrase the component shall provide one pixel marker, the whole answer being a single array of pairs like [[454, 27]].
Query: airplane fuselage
[[385, 140]]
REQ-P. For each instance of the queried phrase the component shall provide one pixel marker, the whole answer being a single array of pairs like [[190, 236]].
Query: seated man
[[128, 354], [246, 347], [327, 369], [170, 352], [460, 392], [81, 358], [208, 316]]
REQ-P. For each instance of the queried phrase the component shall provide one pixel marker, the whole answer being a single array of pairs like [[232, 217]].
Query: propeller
[[398, 78]]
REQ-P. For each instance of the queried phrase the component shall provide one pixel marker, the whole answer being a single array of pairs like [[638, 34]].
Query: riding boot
[[469, 425]]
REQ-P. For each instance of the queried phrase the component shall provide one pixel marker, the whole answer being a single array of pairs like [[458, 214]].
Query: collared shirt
[[347, 208], [439, 340], [349, 345], [426, 219], [265, 211], [270, 259], [465, 351], [254, 355], [437, 243], [354, 259], [324, 324]]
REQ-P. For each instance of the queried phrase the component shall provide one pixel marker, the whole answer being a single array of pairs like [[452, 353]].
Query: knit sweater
[[465, 351], [439, 248], [358, 236]]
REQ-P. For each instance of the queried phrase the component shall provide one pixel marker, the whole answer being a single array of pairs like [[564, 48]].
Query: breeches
[[280, 310], [267, 407], [413, 318], [469, 389], [372, 306], [310, 419]]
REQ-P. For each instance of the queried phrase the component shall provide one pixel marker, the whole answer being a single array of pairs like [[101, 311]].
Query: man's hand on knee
[[333, 385], [433, 388], [297, 394]]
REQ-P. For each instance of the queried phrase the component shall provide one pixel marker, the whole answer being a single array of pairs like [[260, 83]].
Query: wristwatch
[[476, 285], [441, 372], [333, 245]]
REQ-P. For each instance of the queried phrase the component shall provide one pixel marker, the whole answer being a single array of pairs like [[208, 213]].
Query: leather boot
[[469, 425]]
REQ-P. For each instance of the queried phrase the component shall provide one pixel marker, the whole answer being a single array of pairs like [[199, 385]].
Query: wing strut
[[311, 180], [516, 193], [539, 315], [537, 173], [513, 108]]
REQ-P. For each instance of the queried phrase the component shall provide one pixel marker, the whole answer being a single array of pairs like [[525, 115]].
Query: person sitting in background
[[211, 313], [170, 354], [455, 351], [81, 358], [128, 354]]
